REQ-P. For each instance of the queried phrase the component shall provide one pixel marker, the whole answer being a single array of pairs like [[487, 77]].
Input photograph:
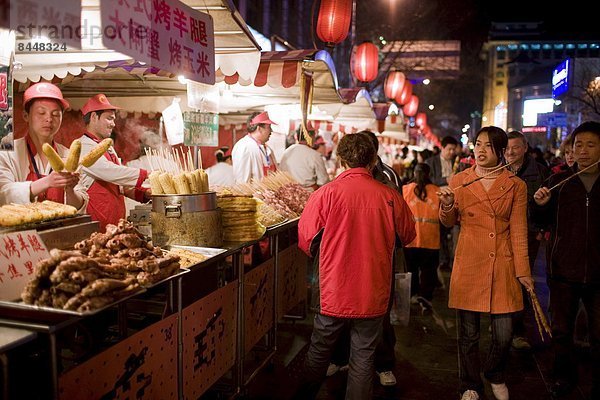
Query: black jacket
[[534, 174], [435, 163], [574, 217]]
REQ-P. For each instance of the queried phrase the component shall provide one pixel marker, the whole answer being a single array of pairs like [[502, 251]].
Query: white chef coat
[[250, 159], [220, 174], [106, 170], [305, 165], [14, 168]]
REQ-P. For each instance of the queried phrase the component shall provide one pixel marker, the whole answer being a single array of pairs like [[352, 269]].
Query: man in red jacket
[[351, 225]]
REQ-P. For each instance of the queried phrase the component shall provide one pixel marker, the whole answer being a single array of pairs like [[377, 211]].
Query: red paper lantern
[[334, 19], [394, 83], [405, 94], [421, 120], [410, 108], [365, 62]]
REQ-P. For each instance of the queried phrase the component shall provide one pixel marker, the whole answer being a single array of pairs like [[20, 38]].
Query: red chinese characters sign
[[19, 253], [162, 33], [3, 90]]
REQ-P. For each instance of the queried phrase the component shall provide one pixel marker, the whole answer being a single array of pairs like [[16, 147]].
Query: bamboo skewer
[[149, 159], [540, 317], [574, 175], [190, 160]]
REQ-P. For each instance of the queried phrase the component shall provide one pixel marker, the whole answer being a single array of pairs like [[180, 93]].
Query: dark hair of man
[[568, 141], [88, 117], [446, 140], [356, 151], [422, 179], [588, 126], [497, 138], [372, 137], [517, 135], [425, 154]]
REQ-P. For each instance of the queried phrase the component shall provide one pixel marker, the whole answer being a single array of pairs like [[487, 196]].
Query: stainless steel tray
[[205, 251], [42, 312], [48, 224]]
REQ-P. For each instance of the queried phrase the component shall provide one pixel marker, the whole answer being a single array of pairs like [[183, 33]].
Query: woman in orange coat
[[491, 261], [423, 254]]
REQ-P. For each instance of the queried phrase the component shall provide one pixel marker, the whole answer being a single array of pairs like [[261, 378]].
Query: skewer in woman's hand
[[446, 195]]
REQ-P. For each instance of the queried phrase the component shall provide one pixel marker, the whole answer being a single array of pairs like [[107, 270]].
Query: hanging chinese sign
[[162, 33]]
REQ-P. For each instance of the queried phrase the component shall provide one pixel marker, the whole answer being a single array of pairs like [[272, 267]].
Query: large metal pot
[[186, 219]]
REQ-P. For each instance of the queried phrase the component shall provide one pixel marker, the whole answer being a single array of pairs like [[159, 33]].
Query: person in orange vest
[[423, 254], [107, 181], [26, 175]]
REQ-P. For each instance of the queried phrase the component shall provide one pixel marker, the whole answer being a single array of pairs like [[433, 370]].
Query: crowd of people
[[480, 215]]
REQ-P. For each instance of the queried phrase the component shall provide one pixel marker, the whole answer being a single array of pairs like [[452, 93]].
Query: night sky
[[468, 21]]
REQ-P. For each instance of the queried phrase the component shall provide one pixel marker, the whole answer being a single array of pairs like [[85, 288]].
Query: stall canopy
[[236, 51], [278, 81]]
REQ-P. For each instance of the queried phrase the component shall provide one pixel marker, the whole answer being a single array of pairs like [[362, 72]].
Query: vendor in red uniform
[[25, 173], [107, 180]]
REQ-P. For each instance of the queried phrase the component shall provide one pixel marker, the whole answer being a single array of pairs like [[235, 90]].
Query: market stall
[[131, 334]]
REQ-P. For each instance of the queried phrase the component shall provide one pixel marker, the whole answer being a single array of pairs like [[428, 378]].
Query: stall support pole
[[54, 366], [180, 338], [238, 261], [275, 250]]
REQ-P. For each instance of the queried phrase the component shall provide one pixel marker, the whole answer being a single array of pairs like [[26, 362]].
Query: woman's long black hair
[[422, 179]]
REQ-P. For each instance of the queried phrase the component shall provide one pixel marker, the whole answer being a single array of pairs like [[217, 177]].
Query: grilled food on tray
[[187, 258], [19, 214], [102, 269]]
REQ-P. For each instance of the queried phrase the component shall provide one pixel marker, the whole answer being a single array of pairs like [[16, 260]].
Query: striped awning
[[282, 69]]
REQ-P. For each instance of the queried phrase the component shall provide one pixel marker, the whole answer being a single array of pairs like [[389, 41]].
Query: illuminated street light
[[431, 107], [426, 81]]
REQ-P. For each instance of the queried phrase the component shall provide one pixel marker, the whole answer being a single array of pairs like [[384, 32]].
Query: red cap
[[44, 90], [319, 141], [97, 103], [262, 118]]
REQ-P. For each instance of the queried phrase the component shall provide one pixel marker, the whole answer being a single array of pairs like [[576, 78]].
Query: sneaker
[[387, 378], [500, 391], [424, 303], [470, 395], [520, 343], [414, 299], [332, 369]]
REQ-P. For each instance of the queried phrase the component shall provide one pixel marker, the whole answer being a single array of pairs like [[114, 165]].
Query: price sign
[[200, 129], [19, 253]]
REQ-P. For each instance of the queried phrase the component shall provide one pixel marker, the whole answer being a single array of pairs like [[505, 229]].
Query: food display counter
[[179, 337]]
